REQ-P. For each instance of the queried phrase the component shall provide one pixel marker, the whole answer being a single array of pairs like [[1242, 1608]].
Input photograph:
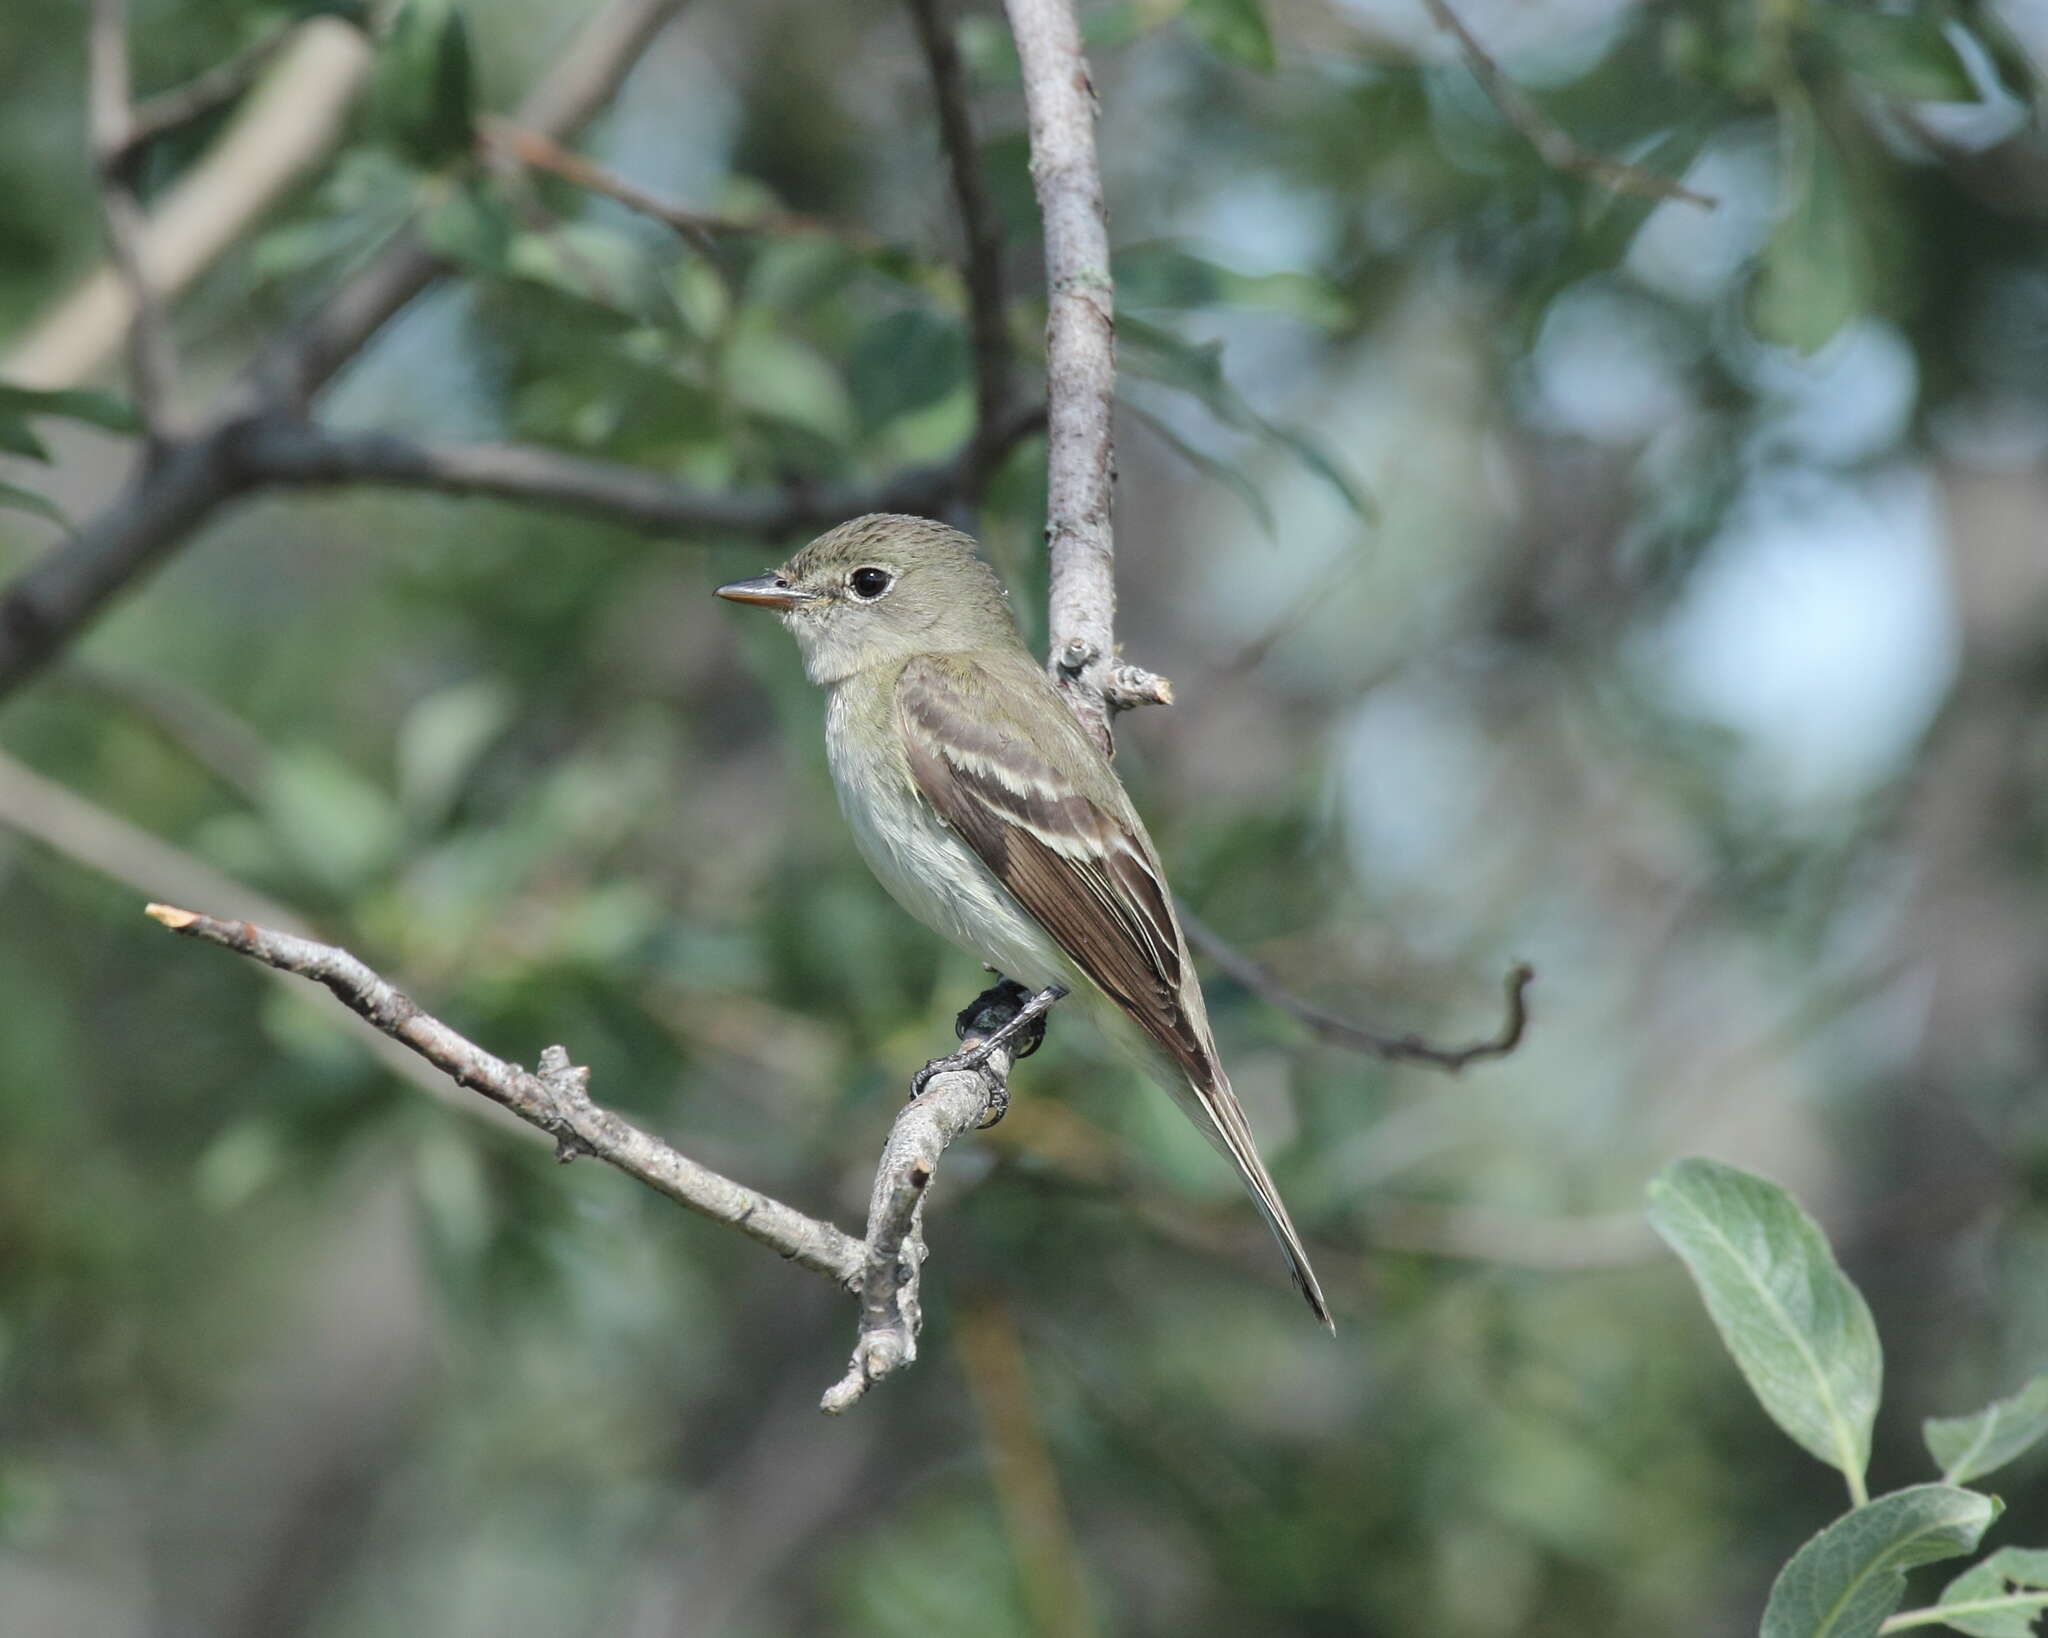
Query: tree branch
[[151, 365], [1556, 147], [987, 303], [294, 118], [157, 117], [883, 1269], [1329, 1027], [1080, 365]]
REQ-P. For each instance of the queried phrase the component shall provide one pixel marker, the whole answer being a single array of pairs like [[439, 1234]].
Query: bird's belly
[[930, 871]]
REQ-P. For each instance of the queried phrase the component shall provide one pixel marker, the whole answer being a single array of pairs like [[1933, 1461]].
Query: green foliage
[[422, 99], [1235, 30], [1805, 1340], [1999, 1598], [1800, 1331], [1844, 1582], [1966, 1446]]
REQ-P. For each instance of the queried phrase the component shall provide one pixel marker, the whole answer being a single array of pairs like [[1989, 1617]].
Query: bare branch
[[1340, 1032], [1556, 147], [955, 1095], [1080, 366], [534, 151], [884, 1270], [296, 366], [988, 305], [157, 117], [151, 365], [291, 121], [555, 1099]]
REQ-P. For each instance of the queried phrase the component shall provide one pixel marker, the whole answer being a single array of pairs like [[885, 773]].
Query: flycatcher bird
[[990, 814]]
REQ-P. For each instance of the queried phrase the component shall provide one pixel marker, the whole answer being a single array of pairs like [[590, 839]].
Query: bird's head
[[880, 589]]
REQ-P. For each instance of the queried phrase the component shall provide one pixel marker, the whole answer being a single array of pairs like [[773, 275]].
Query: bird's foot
[[1005, 1016]]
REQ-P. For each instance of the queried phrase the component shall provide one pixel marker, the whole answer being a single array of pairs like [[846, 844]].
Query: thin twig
[[155, 118], [1329, 1027], [883, 1270], [1080, 368], [288, 124], [555, 1098], [151, 364], [538, 152], [987, 302], [995, 1030], [1557, 148]]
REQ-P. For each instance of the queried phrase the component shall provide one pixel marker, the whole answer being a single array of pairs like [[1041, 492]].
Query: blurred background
[[1650, 591]]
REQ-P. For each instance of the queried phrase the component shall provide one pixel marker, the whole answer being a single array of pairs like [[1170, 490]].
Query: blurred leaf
[[1846, 1580], [908, 361], [598, 265], [237, 1164], [1234, 30], [17, 437], [1163, 273], [1992, 1583], [341, 828], [100, 409], [1966, 1446], [773, 374], [471, 226], [1159, 355], [1798, 1329], [1907, 54], [441, 739], [1815, 273], [27, 500], [1224, 471], [422, 98]]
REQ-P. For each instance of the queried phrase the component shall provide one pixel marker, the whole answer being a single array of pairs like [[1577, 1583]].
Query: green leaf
[[1906, 54], [471, 226], [1815, 275], [1798, 1329], [423, 98], [1966, 1446], [1158, 355], [1234, 30], [907, 362], [1226, 472], [27, 500], [441, 740], [342, 829], [1847, 1579], [100, 409], [1165, 274], [597, 265], [17, 437], [1985, 1602]]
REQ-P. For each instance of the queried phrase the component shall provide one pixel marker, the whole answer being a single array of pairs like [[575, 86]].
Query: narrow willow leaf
[[1815, 274], [1985, 1602], [1966, 1446], [1225, 471], [27, 500], [1906, 54], [1847, 1579], [1798, 1329], [100, 409]]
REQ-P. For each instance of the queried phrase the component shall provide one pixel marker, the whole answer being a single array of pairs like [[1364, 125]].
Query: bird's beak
[[769, 591]]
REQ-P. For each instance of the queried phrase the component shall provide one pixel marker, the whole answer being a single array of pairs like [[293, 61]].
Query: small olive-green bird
[[990, 814]]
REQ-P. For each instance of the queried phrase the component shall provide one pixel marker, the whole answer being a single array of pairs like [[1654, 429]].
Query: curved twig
[[1329, 1027]]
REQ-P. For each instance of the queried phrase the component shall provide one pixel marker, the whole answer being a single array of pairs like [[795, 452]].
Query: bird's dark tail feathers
[[1232, 1133]]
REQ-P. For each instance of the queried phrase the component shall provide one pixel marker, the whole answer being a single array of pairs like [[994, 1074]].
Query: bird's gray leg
[[1005, 1015]]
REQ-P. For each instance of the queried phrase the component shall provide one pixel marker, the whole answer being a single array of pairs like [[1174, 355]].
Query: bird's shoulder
[[996, 712]]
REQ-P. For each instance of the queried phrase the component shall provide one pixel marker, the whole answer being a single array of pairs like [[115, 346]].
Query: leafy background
[[1650, 592]]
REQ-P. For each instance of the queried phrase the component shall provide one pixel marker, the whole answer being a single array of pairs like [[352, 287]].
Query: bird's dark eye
[[868, 584]]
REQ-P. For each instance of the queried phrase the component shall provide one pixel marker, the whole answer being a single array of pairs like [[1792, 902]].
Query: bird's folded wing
[[1075, 864]]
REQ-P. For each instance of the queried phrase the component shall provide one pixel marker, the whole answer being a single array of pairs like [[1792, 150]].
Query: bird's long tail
[[1231, 1132]]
